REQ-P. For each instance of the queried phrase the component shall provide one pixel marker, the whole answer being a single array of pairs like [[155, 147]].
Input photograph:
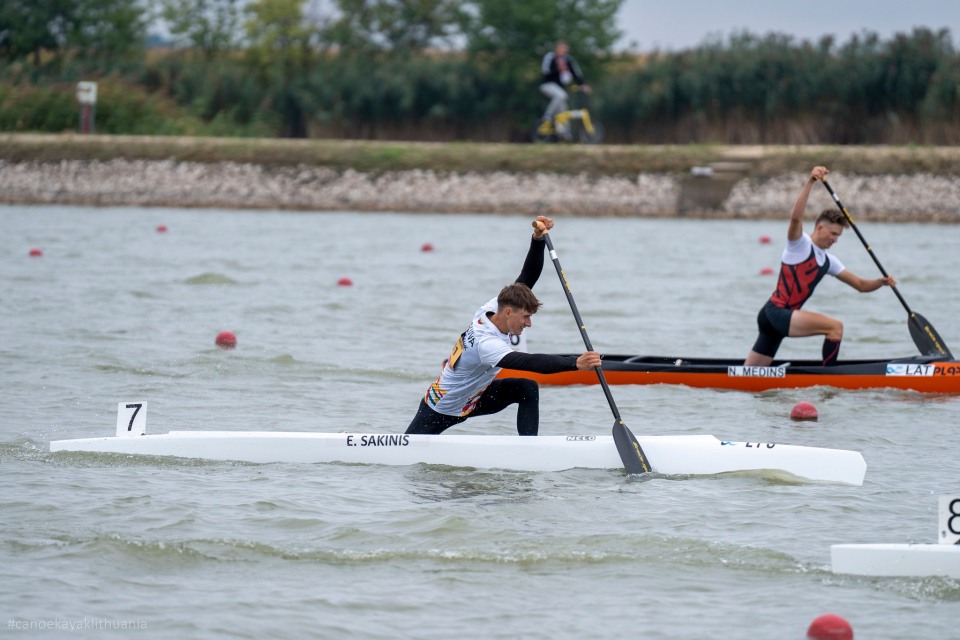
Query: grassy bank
[[612, 160]]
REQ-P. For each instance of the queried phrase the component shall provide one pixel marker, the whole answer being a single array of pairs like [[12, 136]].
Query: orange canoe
[[926, 374]]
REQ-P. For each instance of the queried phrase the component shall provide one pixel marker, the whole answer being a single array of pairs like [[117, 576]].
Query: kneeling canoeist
[[466, 386], [805, 262]]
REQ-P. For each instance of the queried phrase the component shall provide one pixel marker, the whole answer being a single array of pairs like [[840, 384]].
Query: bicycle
[[571, 125]]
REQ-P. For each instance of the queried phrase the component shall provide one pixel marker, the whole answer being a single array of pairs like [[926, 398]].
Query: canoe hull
[[922, 374], [912, 560], [670, 455]]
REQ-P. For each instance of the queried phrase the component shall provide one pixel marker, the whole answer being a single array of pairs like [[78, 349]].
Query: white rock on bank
[[921, 197]]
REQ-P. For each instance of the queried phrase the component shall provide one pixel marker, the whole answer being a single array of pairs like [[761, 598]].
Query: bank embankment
[[883, 183]]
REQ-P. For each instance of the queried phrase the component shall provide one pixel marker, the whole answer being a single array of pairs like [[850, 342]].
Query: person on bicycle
[[558, 70]]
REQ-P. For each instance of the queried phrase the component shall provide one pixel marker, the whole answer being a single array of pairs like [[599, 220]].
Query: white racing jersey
[[517, 343], [471, 366], [798, 250]]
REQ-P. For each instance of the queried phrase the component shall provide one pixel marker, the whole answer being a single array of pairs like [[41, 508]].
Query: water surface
[[115, 311]]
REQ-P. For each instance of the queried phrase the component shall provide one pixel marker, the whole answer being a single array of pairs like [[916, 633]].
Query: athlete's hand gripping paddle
[[634, 460]]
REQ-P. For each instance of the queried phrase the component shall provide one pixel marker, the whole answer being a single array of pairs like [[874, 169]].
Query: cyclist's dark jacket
[[551, 73]]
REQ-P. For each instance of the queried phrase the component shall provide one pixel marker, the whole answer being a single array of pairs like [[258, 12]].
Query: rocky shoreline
[[171, 183]]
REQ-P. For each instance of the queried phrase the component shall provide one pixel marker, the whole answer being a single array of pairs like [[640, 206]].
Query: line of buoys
[[803, 411], [226, 340], [766, 271], [829, 626]]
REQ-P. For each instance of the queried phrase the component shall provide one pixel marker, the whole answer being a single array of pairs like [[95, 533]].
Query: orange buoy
[[766, 271], [764, 239], [161, 228], [344, 282], [829, 626], [226, 339], [426, 247], [36, 253], [803, 411]]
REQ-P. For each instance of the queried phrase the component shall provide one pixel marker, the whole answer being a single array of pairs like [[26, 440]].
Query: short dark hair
[[518, 296], [832, 216]]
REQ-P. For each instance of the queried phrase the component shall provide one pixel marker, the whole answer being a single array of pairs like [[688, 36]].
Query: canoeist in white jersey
[[466, 386], [805, 262]]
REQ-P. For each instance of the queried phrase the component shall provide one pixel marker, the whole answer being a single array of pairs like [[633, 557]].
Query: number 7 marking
[[136, 409]]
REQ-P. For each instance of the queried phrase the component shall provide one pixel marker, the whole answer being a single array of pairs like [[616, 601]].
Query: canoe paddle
[[634, 460], [926, 338]]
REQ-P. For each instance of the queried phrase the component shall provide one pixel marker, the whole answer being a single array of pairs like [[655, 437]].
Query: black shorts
[[497, 397], [774, 325]]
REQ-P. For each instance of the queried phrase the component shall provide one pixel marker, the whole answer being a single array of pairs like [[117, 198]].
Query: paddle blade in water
[[926, 337], [634, 460]]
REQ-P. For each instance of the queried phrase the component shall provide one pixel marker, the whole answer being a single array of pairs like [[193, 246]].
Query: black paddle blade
[[634, 460], [926, 337]]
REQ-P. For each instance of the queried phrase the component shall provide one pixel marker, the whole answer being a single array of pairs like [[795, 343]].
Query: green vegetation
[[270, 68]]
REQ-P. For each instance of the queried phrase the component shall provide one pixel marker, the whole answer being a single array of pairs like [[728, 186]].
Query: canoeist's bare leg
[[805, 323], [755, 359]]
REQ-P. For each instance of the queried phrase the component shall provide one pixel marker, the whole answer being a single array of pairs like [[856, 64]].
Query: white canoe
[[904, 560], [669, 455], [907, 560]]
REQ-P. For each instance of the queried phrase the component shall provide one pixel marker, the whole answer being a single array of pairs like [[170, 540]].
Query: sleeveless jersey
[[470, 368], [803, 266]]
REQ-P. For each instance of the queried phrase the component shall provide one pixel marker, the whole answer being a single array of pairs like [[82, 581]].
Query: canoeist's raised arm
[[533, 264], [795, 229], [865, 286], [547, 363]]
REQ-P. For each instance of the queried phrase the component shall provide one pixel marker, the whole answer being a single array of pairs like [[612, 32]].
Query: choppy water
[[168, 548]]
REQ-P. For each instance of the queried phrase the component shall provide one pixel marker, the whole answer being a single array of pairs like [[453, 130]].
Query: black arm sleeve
[[538, 362], [533, 264]]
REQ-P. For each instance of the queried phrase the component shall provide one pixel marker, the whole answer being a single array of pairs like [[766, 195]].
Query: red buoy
[[35, 253], [344, 282], [764, 239], [829, 626], [161, 228], [803, 411], [426, 247], [766, 271], [226, 339]]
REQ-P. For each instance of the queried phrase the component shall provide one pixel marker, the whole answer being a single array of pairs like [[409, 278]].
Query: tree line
[[441, 70]]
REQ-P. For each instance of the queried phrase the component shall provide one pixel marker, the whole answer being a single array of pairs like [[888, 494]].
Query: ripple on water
[[210, 279]]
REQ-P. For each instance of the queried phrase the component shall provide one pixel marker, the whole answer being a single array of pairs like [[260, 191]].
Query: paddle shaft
[[583, 329], [634, 459], [866, 245], [925, 330]]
